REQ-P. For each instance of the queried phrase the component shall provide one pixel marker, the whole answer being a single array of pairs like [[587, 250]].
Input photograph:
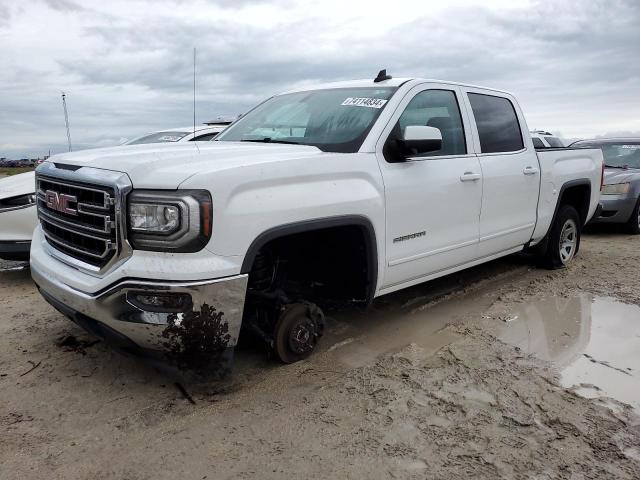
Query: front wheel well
[[324, 260], [316, 264]]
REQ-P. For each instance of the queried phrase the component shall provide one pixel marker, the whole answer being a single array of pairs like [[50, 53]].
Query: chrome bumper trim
[[145, 328]]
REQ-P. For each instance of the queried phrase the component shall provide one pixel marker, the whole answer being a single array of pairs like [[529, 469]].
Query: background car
[[542, 139], [18, 216], [17, 193], [620, 195], [201, 133]]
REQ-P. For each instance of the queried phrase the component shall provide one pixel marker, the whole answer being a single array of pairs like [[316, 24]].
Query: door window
[[432, 108], [497, 123]]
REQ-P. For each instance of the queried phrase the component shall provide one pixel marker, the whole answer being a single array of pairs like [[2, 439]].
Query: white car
[[202, 133], [18, 215], [17, 221], [337, 193], [542, 139]]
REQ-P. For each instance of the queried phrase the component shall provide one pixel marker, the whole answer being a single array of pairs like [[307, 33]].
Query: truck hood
[[16, 185], [618, 175], [163, 165]]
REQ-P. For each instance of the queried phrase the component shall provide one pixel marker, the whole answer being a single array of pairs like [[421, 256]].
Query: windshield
[[158, 137], [335, 120], [623, 154]]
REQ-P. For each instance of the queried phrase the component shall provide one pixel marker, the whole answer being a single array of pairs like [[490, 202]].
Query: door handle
[[470, 177], [530, 170]]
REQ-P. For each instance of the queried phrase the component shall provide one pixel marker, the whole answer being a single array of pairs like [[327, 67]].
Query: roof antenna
[[382, 76], [194, 98], [66, 118]]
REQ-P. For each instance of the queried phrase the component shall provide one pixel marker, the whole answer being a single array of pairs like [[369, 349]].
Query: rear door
[[510, 171], [433, 199]]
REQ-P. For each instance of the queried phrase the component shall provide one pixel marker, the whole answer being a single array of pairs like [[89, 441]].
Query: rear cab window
[[497, 123], [537, 143], [554, 142]]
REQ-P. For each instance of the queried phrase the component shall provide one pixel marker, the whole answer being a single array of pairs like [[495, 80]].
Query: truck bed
[[561, 168]]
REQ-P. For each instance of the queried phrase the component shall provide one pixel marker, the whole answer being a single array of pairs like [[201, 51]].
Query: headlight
[[158, 218], [169, 221], [21, 201], [616, 189]]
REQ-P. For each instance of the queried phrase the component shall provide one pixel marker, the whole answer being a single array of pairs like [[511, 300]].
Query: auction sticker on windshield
[[364, 102]]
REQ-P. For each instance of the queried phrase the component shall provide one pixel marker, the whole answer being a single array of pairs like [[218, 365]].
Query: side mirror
[[419, 139]]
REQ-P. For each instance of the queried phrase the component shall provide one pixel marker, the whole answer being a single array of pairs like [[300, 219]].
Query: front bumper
[[614, 209], [213, 320], [16, 250]]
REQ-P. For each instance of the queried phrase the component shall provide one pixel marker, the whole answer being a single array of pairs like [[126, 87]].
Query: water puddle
[[417, 315], [594, 343]]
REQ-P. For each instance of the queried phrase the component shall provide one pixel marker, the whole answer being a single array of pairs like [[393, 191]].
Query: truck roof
[[393, 82]]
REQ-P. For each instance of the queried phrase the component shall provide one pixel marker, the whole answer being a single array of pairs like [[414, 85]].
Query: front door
[[433, 199]]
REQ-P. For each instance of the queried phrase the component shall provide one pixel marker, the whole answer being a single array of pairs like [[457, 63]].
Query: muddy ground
[[483, 374]]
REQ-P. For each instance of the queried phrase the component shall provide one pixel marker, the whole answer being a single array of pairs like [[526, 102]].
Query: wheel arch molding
[[583, 212], [305, 226]]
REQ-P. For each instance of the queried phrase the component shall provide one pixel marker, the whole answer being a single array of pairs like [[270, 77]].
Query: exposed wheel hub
[[297, 331], [301, 336]]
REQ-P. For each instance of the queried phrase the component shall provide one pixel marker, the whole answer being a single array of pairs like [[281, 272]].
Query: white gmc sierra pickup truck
[[341, 192]]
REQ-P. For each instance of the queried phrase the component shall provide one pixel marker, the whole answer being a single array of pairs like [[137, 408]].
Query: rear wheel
[[633, 224], [297, 331], [564, 238]]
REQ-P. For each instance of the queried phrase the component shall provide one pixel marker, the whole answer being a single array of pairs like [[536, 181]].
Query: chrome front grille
[[78, 219]]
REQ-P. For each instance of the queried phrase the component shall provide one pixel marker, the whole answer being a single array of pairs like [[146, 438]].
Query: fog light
[[160, 302]]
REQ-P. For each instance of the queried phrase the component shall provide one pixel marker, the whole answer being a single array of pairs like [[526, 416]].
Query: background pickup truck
[[338, 193]]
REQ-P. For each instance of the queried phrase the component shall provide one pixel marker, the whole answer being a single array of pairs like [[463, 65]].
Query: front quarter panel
[[249, 200]]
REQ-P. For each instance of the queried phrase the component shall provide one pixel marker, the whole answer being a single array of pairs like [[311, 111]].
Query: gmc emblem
[[60, 202]]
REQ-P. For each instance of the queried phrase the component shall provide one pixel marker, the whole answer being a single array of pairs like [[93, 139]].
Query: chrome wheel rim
[[568, 241]]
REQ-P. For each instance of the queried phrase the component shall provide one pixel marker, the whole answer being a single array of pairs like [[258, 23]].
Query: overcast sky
[[127, 65]]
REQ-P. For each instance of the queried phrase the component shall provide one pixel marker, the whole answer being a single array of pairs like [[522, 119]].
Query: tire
[[564, 238], [297, 331], [633, 224]]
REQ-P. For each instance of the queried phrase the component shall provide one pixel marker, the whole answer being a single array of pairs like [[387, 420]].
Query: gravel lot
[[433, 382]]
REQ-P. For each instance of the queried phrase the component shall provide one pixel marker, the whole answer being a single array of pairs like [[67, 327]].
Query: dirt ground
[[471, 375]]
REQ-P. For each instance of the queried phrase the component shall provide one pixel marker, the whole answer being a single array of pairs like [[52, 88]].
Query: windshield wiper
[[623, 167], [270, 140]]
